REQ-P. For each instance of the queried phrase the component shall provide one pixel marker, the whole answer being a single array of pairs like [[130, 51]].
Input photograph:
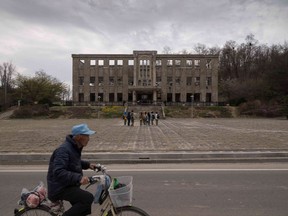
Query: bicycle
[[114, 196]]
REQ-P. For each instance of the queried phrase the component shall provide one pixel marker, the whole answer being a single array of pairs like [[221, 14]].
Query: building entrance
[[145, 98]]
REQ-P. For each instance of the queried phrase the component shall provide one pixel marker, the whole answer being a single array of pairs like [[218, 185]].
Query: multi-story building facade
[[146, 77]]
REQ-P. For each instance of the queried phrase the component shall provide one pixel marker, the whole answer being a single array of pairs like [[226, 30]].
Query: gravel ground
[[233, 134]]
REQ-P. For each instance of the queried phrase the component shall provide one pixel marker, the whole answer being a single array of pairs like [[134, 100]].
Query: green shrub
[[112, 111]]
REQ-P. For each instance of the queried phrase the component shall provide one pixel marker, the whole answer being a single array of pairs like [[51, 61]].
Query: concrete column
[[75, 79], [134, 97], [154, 96], [86, 80]]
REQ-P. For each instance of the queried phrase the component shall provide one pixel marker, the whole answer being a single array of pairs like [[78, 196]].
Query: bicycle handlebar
[[98, 178]]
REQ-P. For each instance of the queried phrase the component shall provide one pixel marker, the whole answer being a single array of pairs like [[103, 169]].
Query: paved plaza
[[193, 135]]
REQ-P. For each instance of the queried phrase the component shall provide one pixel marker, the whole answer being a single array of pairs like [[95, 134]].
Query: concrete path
[[7, 114]]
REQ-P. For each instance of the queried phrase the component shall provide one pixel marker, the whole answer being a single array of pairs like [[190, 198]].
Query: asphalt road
[[182, 189]]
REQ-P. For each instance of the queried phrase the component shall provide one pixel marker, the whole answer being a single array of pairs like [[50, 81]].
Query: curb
[[155, 157]]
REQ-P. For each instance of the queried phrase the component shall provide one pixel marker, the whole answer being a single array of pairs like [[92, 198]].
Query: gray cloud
[[44, 34]]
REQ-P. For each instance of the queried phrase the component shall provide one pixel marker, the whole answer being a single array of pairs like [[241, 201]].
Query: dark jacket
[[65, 168]]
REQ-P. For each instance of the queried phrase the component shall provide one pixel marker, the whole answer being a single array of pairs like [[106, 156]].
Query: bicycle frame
[[106, 205]]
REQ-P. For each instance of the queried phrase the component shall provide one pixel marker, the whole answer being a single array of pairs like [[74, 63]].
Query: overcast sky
[[42, 34]]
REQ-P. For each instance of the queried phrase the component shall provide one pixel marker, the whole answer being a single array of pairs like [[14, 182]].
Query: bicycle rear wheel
[[39, 211], [129, 211]]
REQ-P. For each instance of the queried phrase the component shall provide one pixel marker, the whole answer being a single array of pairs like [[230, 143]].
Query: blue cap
[[82, 129]]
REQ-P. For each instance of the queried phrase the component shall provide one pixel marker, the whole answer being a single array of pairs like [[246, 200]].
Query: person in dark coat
[[128, 118], [65, 175]]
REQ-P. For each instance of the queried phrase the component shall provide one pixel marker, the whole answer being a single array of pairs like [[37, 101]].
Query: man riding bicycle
[[65, 172]]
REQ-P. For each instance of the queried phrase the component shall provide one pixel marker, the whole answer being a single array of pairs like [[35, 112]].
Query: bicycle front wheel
[[39, 211], [129, 211]]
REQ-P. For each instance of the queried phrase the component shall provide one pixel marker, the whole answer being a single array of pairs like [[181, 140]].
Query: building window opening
[[208, 81], [197, 97], [100, 97], [92, 62], [177, 80], [130, 62], [92, 81], [111, 81], [189, 62], [119, 97], [177, 62], [169, 81], [119, 81], [158, 81], [101, 62], [197, 81], [111, 62], [81, 97], [81, 81], [189, 97], [169, 97], [169, 62], [100, 81], [92, 97], [208, 97], [81, 63], [158, 96], [197, 63], [144, 70], [120, 62], [158, 63], [189, 81], [208, 63], [130, 81], [130, 97], [111, 97], [177, 97]]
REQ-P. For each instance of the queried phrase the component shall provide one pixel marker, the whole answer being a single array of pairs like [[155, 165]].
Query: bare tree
[[201, 49], [214, 50], [7, 71], [167, 50], [66, 94], [184, 51]]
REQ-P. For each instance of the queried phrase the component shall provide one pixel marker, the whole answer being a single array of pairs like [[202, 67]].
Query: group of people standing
[[146, 118], [128, 118]]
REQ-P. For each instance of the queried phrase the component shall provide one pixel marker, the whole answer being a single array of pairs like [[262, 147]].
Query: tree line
[[251, 75], [39, 89]]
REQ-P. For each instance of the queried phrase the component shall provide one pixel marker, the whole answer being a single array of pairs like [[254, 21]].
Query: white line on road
[[157, 170]]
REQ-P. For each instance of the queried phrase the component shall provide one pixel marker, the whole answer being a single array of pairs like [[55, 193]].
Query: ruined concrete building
[[144, 77]]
